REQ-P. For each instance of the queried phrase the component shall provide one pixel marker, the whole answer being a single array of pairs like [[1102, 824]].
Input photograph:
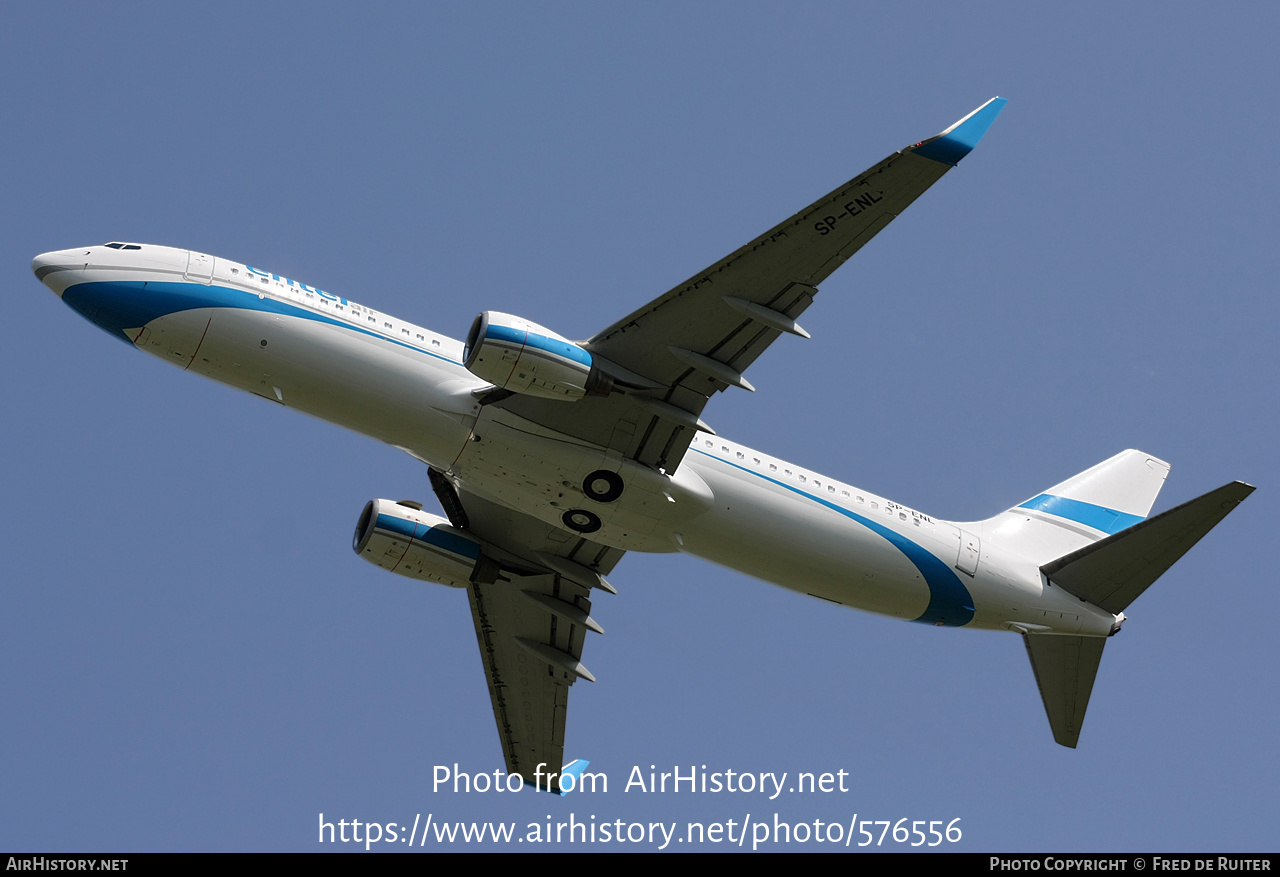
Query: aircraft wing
[[672, 354], [667, 359], [532, 614]]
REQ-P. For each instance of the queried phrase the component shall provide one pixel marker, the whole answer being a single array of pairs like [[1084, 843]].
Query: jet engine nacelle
[[413, 543], [523, 357]]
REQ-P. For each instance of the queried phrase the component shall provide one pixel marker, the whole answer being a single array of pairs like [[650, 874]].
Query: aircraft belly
[[174, 337], [1041, 608], [788, 540], [546, 474], [331, 372]]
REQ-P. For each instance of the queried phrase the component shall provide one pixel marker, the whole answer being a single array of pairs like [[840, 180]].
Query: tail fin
[[1111, 496]]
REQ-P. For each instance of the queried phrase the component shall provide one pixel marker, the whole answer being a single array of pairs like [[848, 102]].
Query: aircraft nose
[[42, 264], [47, 266]]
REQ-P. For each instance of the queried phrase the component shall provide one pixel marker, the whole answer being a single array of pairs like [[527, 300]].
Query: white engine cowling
[[514, 354], [416, 544]]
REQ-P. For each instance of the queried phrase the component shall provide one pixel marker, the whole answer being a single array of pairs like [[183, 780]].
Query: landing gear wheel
[[602, 486], [580, 521]]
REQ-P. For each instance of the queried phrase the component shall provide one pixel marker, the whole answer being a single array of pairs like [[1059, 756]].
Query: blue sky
[[193, 658]]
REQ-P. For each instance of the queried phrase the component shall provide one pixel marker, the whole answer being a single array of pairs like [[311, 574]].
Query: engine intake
[[416, 544]]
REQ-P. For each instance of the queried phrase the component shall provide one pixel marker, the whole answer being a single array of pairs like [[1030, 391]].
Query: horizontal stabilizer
[[1065, 667], [1114, 571]]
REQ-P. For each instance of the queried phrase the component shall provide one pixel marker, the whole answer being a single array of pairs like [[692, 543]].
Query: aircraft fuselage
[[404, 385]]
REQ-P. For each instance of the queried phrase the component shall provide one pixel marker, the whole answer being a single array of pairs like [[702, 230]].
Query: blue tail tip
[[958, 141]]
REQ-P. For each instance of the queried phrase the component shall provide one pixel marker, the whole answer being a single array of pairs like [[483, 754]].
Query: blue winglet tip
[[958, 141], [573, 769]]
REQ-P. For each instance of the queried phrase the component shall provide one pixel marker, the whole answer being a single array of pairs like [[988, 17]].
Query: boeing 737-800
[[552, 458]]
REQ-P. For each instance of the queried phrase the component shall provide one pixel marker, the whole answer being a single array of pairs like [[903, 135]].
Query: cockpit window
[[119, 246], [116, 246]]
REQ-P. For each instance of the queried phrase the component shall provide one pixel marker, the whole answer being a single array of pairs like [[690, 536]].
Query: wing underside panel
[[530, 694]]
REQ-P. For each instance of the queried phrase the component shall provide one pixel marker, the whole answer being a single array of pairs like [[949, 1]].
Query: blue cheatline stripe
[[950, 603], [130, 304], [451, 542], [539, 342], [1096, 516]]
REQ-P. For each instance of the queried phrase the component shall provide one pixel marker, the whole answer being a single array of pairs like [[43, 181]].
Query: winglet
[[573, 769], [958, 141]]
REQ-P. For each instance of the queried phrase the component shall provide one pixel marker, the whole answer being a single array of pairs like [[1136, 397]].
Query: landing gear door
[[199, 267], [970, 549]]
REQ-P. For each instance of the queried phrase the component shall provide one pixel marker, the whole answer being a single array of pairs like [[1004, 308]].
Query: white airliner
[[553, 458]]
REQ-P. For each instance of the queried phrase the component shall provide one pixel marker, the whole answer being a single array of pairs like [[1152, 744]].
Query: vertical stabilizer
[[1065, 667], [1114, 494], [1105, 499]]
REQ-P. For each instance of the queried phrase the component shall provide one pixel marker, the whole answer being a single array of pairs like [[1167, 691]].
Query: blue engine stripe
[[444, 540], [539, 342], [1096, 516], [130, 304], [950, 603]]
